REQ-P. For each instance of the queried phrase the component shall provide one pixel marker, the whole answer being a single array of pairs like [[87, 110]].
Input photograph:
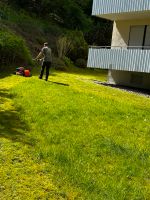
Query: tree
[[72, 15]]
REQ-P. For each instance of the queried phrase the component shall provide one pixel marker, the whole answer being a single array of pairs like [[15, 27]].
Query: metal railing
[[119, 6], [120, 58], [120, 47]]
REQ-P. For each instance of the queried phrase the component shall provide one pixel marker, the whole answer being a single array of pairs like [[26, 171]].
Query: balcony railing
[[136, 59], [106, 7]]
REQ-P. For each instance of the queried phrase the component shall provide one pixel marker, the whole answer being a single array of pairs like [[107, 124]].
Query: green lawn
[[72, 139]]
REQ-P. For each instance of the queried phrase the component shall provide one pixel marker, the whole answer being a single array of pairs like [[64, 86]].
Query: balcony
[[134, 59], [121, 9]]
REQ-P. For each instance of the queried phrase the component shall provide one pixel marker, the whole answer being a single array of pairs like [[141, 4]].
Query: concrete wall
[[120, 37], [121, 31], [133, 79]]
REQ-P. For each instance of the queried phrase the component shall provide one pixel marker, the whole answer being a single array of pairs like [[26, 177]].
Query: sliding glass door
[[139, 37], [147, 38]]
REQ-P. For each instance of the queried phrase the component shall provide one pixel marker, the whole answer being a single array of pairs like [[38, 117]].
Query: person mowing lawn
[[46, 56]]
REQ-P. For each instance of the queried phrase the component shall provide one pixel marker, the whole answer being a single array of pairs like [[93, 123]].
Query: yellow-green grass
[[69, 138]]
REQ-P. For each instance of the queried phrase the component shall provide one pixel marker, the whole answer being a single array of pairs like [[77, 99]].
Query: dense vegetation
[[66, 24], [69, 13], [72, 14], [13, 49]]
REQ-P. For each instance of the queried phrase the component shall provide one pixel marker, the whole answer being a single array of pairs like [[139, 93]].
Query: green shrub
[[80, 46], [3, 15], [59, 64], [68, 62], [13, 49], [80, 62]]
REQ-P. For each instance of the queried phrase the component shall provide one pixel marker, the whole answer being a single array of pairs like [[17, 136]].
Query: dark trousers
[[47, 65]]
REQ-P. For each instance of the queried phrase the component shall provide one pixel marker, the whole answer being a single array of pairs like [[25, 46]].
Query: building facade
[[128, 58]]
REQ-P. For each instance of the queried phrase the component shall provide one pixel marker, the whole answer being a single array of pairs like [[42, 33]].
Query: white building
[[128, 58]]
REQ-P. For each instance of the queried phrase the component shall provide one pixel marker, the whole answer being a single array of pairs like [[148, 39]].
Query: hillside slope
[[34, 31], [71, 37]]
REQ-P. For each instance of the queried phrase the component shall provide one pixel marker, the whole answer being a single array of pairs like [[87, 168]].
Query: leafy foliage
[[64, 46], [67, 25], [80, 62], [80, 46], [100, 32], [69, 13], [13, 49], [72, 45]]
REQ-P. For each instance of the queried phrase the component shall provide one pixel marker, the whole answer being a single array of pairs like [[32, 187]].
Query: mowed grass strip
[[95, 140]]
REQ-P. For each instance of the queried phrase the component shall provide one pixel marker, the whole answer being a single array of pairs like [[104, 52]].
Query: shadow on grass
[[35, 70], [6, 72], [11, 126], [58, 83], [145, 92]]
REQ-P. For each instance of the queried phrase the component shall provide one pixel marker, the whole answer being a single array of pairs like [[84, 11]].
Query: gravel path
[[142, 92]]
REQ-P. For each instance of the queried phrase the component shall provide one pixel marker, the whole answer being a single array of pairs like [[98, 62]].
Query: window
[[139, 37], [147, 38]]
